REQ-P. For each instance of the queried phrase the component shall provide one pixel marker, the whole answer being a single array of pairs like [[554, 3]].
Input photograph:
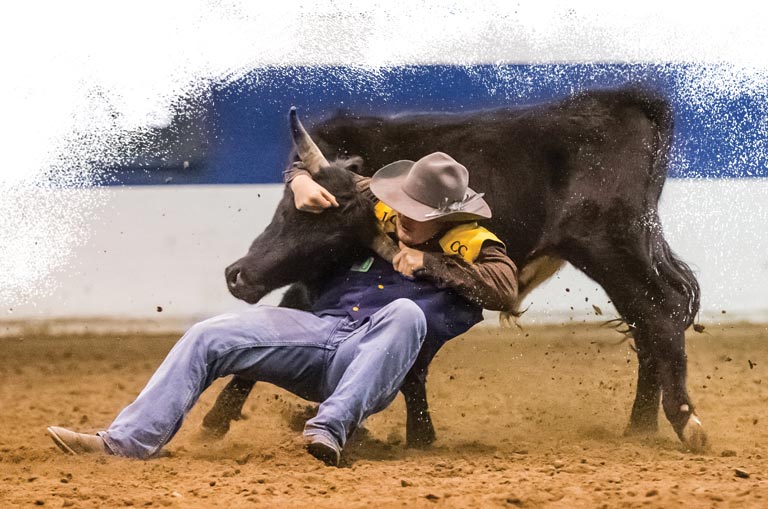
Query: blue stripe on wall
[[238, 133]]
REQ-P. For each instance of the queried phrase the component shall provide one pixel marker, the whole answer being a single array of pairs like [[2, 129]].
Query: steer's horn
[[308, 152]]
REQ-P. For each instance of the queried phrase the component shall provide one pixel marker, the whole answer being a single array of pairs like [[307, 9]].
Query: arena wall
[[157, 254]]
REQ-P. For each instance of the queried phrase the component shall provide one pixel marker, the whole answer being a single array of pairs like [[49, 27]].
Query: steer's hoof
[[420, 438], [641, 428], [693, 435], [217, 423], [212, 433], [419, 443]]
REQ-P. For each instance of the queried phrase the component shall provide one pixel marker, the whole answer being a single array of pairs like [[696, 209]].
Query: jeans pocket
[[343, 330]]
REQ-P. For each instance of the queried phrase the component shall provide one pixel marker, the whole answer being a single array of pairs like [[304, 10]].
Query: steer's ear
[[354, 164]]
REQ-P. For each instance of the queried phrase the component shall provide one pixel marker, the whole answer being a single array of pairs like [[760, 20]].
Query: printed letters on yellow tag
[[466, 240]]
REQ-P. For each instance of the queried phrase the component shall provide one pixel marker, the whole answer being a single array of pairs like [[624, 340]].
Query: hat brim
[[387, 186]]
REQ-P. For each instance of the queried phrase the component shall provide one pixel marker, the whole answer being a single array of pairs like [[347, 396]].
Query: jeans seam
[[266, 345], [111, 445], [330, 349]]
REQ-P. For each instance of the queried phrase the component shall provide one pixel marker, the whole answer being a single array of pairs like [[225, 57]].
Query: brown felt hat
[[434, 187]]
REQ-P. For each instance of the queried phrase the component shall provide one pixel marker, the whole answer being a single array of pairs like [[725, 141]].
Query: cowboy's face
[[412, 233]]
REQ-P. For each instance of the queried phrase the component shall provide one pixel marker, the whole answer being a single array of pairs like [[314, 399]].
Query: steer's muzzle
[[240, 288]]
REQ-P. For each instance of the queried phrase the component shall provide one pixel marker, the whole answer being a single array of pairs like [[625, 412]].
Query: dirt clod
[[741, 473]]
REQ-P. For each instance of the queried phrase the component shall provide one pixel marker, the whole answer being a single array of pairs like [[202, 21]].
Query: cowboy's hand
[[309, 196], [408, 260]]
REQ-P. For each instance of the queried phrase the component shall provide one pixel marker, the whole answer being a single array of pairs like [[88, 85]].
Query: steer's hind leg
[[657, 295]]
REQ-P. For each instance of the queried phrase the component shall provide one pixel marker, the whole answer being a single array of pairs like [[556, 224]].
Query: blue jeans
[[354, 369]]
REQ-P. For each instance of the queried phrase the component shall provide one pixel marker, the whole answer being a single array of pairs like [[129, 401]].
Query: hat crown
[[434, 187], [437, 179]]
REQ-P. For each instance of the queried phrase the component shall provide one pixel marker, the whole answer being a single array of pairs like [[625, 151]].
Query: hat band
[[447, 207]]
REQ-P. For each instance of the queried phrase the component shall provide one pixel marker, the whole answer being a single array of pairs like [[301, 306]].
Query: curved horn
[[308, 152]]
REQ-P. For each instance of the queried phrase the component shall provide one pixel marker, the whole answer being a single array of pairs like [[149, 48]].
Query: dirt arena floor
[[524, 419]]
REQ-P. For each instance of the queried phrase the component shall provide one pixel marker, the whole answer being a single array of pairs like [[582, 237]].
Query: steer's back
[[535, 164]]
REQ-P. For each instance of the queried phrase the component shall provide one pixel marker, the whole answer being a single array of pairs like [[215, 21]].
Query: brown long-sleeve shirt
[[490, 281]]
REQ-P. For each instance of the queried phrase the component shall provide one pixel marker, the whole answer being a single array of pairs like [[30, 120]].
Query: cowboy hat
[[434, 187]]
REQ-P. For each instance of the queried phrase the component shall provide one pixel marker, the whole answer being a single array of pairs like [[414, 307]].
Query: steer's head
[[302, 246]]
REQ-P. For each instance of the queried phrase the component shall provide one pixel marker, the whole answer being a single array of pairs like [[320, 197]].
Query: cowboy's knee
[[204, 336], [409, 314]]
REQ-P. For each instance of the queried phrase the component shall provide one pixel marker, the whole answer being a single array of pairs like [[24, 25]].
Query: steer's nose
[[241, 286], [232, 275]]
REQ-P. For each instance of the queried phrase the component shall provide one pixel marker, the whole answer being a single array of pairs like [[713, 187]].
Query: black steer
[[575, 181]]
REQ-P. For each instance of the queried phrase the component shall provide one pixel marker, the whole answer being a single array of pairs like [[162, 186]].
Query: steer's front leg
[[229, 404], [228, 407]]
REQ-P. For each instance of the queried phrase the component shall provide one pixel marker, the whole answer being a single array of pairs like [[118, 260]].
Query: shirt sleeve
[[294, 171], [491, 281]]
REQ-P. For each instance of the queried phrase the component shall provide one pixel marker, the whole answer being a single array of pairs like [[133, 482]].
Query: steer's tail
[[677, 274]]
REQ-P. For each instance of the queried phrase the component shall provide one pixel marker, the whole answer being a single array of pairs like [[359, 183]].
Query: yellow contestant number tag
[[466, 240], [387, 217]]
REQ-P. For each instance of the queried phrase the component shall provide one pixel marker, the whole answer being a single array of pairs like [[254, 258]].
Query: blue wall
[[238, 132]]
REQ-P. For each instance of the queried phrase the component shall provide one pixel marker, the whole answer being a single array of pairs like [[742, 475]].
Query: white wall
[[168, 246], [719, 227]]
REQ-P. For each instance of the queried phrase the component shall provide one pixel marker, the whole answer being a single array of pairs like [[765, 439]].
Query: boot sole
[[59, 442], [324, 453]]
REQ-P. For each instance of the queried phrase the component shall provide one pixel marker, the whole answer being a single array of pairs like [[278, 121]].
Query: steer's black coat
[[576, 180]]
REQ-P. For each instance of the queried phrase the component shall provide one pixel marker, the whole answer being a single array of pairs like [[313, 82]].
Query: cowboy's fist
[[408, 260], [309, 196]]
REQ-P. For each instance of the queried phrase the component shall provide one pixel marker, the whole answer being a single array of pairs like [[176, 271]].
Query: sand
[[524, 419]]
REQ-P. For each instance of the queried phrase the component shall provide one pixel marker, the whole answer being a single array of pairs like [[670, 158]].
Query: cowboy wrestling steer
[[297, 247], [575, 181]]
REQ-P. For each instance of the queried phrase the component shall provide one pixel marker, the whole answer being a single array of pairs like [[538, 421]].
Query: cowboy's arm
[[310, 196], [491, 281]]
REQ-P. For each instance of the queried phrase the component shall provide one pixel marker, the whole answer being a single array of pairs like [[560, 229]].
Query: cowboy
[[351, 352]]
